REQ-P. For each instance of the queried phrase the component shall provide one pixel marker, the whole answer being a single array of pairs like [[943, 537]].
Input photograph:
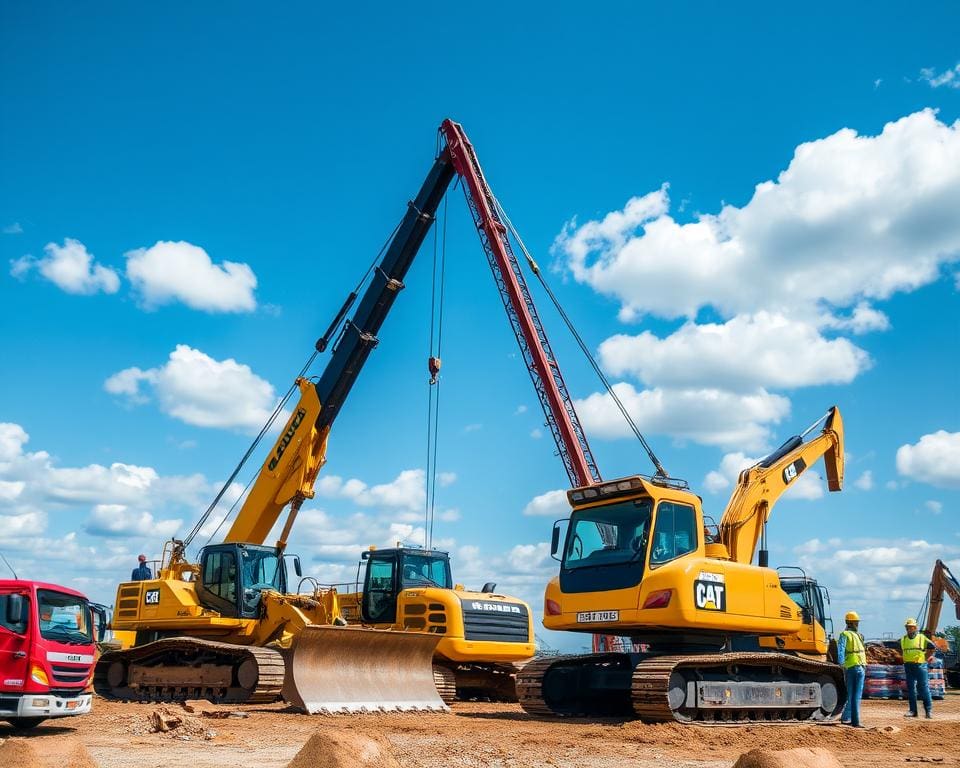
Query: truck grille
[[495, 621], [64, 674]]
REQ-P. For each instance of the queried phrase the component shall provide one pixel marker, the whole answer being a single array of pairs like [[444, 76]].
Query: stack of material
[[884, 681], [879, 654], [937, 684]]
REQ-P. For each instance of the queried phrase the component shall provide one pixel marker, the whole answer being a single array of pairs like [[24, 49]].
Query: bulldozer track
[[657, 692], [446, 683], [485, 682], [255, 674]]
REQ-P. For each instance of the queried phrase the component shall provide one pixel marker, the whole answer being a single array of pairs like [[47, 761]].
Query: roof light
[[576, 495]]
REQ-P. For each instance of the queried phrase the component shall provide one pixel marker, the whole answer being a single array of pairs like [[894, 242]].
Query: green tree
[[953, 635]]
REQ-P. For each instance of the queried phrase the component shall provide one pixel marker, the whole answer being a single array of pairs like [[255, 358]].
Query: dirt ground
[[478, 734]]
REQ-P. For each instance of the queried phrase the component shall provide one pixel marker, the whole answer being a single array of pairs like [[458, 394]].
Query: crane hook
[[433, 364]]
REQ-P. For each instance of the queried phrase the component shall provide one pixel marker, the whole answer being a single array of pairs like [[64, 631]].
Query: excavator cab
[[233, 577], [390, 571]]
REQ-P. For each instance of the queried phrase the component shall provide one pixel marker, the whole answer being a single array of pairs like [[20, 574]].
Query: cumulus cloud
[[71, 268], [706, 416], [936, 507], [875, 213], [13, 229], [120, 520], [761, 350], [865, 481], [406, 491], [197, 389], [949, 78], [935, 459], [178, 271], [550, 504]]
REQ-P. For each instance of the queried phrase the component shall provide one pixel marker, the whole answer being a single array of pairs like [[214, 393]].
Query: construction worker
[[142, 571], [852, 656], [917, 650]]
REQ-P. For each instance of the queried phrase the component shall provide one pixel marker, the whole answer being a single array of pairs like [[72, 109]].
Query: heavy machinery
[[227, 627], [482, 633], [942, 582], [722, 640]]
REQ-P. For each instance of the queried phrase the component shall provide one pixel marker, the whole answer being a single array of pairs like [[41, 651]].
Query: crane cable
[[661, 472], [433, 364], [320, 346]]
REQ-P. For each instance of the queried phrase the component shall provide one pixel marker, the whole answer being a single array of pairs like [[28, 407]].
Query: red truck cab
[[47, 652]]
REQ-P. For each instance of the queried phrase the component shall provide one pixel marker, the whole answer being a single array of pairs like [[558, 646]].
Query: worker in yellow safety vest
[[852, 656], [917, 650]]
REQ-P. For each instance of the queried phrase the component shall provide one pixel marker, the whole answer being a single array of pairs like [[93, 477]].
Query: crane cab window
[[220, 575], [675, 532], [379, 593]]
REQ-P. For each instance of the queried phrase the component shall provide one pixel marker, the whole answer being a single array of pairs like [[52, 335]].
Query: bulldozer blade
[[353, 669]]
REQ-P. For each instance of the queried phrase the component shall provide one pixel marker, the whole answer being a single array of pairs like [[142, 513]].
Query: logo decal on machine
[[710, 592], [287, 437], [151, 597]]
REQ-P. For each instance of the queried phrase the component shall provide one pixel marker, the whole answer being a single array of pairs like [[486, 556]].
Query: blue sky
[[188, 195]]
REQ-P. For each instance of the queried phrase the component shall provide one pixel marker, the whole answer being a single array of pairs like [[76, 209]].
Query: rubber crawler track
[[490, 681], [651, 681], [183, 652], [446, 683]]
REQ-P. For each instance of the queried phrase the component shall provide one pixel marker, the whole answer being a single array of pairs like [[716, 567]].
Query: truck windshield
[[609, 535], [64, 618], [425, 570]]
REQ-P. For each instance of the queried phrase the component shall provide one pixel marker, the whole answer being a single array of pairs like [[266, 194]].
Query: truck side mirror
[[555, 539], [15, 606], [297, 569]]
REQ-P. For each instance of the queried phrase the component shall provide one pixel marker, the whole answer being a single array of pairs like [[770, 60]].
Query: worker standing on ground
[[917, 649], [142, 571], [852, 655]]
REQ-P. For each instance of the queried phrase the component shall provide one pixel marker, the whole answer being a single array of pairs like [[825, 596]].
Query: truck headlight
[[38, 675]]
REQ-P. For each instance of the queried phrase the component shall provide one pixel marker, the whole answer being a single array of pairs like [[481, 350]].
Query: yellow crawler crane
[[482, 634], [721, 639]]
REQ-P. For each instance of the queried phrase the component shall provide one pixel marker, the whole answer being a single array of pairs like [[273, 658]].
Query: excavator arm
[[942, 582], [760, 486]]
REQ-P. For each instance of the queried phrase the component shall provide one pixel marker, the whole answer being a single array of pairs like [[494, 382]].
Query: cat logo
[[710, 595], [151, 597]]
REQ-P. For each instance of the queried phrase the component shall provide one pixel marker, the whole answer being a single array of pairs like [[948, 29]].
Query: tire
[[26, 723]]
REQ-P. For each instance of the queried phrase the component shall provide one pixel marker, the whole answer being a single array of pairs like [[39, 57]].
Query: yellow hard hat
[[911, 622], [852, 616]]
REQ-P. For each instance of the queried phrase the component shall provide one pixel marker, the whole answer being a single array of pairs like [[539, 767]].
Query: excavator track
[[446, 683], [727, 688], [181, 668]]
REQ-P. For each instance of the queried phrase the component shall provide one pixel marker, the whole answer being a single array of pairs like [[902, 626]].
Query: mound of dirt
[[802, 757], [80, 758], [18, 753], [341, 749], [178, 724]]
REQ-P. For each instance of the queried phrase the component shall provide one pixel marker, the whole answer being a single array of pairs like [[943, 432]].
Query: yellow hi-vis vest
[[914, 648], [854, 654]]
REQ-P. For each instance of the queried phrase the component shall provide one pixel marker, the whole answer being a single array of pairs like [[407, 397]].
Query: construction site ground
[[478, 734]]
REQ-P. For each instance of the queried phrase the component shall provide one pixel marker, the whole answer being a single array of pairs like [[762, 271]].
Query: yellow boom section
[[287, 474], [760, 486]]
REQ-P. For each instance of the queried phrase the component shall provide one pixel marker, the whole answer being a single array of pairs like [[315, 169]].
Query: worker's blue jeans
[[851, 710], [918, 685]]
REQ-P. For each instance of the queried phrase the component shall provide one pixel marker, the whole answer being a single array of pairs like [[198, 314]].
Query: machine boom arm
[[941, 582], [759, 487], [290, 469]]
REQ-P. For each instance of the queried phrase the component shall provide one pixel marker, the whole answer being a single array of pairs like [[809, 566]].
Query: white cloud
[[520, 410], [120, 520], [550, 504], [949, 77], [749, 351], [13, 229], [935, 459], [865, 481], [71, 268], [406, 491], [852, 219], [934, 506], [472, 428], [179, 271], [446, 478], [197, 389], [536, 433], [707, 416]]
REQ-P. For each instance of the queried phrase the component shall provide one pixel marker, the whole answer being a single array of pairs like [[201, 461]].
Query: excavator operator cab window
[[260, 569], [675, 532], [380, 590], [614, 534], [425, 570]]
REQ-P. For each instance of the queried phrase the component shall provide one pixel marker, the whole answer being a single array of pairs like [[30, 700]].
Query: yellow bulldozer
[[482, 633]]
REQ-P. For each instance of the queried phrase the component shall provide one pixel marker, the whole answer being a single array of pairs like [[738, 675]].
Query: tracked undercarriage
[[476, 682], [701, 688]]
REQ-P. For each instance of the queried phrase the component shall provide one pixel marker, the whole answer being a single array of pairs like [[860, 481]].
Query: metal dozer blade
[[353, 669]]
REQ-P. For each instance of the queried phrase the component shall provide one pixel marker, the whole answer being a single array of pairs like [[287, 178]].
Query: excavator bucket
[[353, 669]]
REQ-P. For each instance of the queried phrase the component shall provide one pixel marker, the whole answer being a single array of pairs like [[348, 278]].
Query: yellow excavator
[[718, 638], [227, 626], [482, 634], [942, 583]]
